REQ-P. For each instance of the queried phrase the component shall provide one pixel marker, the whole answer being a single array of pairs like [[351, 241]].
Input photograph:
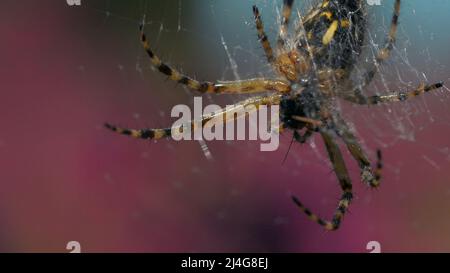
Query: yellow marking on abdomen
[[330, 33]]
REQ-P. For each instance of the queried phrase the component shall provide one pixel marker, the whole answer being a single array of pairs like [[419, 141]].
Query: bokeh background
[[65, 70]]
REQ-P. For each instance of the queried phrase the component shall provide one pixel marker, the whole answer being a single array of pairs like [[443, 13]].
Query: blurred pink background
[[67, 70]]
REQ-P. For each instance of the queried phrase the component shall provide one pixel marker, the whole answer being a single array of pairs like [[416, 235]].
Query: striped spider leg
[[236, 87], [368, 176], [356, 95], [230, 87], [224, 115], [340, 128], [314, 69], [345, 183]]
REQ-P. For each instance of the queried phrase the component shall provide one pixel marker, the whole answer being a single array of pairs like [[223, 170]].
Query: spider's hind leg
[[368, 176], [383, 54], [344, 181]]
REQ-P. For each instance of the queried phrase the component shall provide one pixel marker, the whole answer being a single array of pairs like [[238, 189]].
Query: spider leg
[[394, 96], [344, 181], [141, 133], [285, 17], [382, 55], [244, 86], [385, 52], [311, 126], [368, 176], [224, 115], [313, 122], [262, 35]]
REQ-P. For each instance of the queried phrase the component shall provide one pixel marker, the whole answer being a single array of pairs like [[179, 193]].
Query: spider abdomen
[[337, 33]]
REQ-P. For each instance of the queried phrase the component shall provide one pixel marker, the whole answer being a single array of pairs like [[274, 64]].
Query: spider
[[314, 70]]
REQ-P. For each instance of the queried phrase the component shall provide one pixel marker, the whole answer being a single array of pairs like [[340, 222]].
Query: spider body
[[314, 70], [331, 41], [334, 33], [307, 104], [341, 49]]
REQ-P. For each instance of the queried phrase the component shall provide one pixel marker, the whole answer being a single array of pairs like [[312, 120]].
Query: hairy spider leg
[[368, 176], [385, 52], [205, 121], [344, 181], [262, 36], [396, 96], [244, 86], [285, 19], [382, 55]]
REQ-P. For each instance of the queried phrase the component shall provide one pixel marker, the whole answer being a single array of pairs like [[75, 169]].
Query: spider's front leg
[[244, 86], [262, 36], [344, 180], [224, 115]]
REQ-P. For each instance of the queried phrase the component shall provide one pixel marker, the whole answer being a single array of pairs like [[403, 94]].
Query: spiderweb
[[216, 40]]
